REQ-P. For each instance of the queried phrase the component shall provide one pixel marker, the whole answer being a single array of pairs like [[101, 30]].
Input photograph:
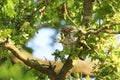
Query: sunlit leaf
[[88, 77], [70, 3], [5, 33], [9, 8]]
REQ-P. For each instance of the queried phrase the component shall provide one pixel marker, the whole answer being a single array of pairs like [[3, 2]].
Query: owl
[[67, 35]]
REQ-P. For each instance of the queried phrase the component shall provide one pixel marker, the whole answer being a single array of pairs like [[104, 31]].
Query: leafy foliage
[[20, 19], [18, 71], [9, 71]]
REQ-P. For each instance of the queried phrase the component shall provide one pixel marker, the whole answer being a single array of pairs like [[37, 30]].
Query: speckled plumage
[[67, 35]]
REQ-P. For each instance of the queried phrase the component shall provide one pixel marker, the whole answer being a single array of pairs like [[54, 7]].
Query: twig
[[77, 26], [105, 29], [111, 32], [66, 13]]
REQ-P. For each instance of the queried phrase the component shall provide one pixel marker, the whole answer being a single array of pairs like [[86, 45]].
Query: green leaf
[[88, 77], [9, 8], [5, 33], [76, 75], [70, 3]]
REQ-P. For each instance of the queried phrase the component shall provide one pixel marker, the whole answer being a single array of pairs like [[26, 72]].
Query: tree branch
[[29, 60], [87, 12], [77, 26], [52, 68], [66, 70], [105, 29]]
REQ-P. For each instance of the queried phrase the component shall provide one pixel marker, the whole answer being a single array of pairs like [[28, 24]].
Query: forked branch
[[44, 66]]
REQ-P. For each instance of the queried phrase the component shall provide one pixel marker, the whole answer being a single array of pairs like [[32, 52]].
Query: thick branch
[[66, 70], [87, 12], [52, 68], [29, 60]]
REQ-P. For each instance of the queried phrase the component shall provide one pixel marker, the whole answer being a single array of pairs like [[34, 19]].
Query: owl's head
[[67, 29]]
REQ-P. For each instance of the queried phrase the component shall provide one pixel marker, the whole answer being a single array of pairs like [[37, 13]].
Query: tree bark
[[87, 12], [56, 70]]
